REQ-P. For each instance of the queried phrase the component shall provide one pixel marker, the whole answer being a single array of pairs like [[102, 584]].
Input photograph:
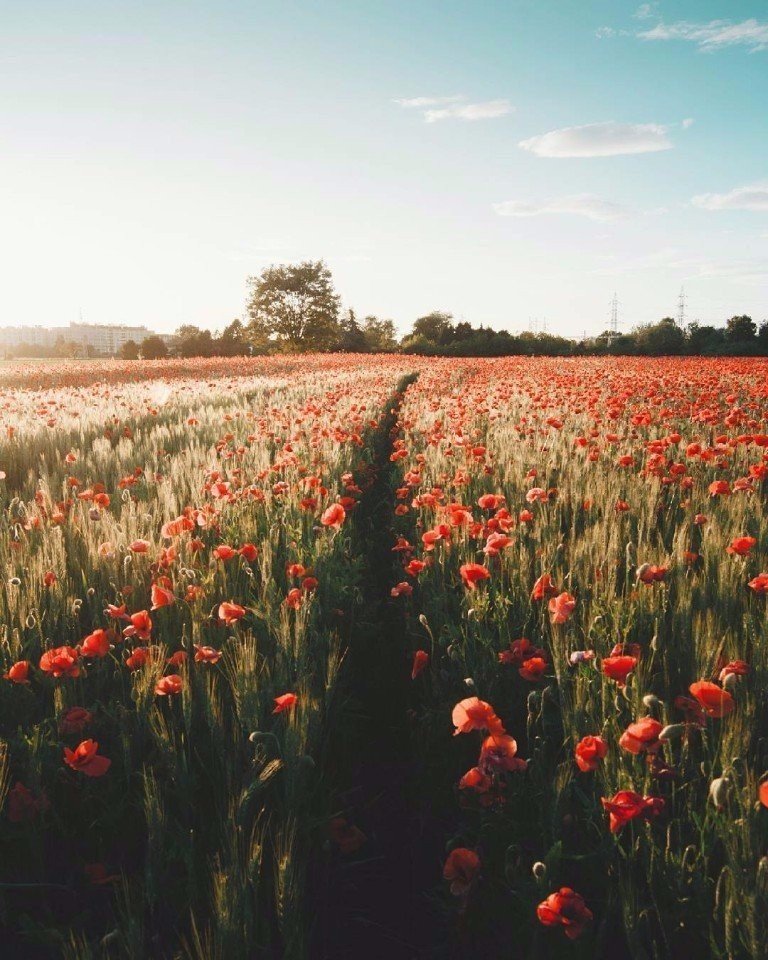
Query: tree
[[660, 339], [233, 341], [762, 335], [294, 306], [434, 326], [129, 350], [380, 334], [153, 348], [351, 337], [191, 341], [741, 329], [704, 339]]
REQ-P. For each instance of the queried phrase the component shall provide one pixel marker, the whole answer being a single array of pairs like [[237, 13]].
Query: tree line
[[294, 308]]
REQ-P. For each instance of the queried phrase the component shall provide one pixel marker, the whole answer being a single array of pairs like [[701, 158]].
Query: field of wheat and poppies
[[334, 656]]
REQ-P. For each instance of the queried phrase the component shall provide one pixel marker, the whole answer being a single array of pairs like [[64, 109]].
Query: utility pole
[[681, 308]]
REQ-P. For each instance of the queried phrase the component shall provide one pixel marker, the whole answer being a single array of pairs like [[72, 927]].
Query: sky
[[513, 162]]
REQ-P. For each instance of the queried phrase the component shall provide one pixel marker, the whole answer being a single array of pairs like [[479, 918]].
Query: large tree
[[294, 306], [380, 334], [153, 348], [741, 329]]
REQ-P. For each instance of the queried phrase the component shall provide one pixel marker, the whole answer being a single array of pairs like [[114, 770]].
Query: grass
[[222, 828]]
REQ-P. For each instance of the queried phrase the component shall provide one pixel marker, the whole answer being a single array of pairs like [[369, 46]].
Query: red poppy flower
[[741, 546], [588, 753], [224, 552], [285, 701], [207, 654], [533, 668], [759, 584], [140, 625], [642, 735], [249, 552], [18, 672], [461, 869], [230, 613], [61, 662], [561, 607], [475, 714], [627, 805], [334, 516], [402, 589], [420, 661], [473, 573], [23, 805], [499, 752], [85, 759], [74, 720], [161, 596], [543, 588], [565, 909], [618, 668], [762, 793], [169, 686], [96, 644], [714, 701]]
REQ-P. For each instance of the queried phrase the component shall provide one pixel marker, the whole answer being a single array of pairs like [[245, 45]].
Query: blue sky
[[502, 160]]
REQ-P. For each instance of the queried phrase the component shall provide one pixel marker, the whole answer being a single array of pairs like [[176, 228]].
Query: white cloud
[[434, 109], [583, 204], [645, 11], [419, 103], [607, 33], [488, 110], [687, 123], [599, 140], [751, 197], [714, 35]]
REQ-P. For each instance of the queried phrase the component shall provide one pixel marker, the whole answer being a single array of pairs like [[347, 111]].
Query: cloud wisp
[[434, 109], [714, 35], [607, 139], [753, 196], [582, 204]]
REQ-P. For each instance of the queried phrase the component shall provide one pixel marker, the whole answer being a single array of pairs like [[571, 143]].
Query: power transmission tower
[[681, 308], [615, 314]]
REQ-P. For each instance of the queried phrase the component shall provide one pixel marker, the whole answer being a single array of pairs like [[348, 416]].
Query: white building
[[90, 338]]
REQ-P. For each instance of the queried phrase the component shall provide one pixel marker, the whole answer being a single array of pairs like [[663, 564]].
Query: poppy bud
[[718, 791], [672, 731], [730, 682], [14, 582], [30, 621], [651, 700], [469, 682], [94, 513], [539, 870]]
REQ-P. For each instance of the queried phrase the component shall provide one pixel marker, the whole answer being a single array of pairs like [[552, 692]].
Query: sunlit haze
[[511, 162]]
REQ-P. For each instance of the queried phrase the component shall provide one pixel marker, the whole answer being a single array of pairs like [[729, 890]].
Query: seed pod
[[672, 731], [718, 791], [642, 570]]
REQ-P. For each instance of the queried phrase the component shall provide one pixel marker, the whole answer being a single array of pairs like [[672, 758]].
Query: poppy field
[[385, 656]]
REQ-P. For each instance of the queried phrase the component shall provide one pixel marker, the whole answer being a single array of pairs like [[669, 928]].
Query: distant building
[[90, 339]]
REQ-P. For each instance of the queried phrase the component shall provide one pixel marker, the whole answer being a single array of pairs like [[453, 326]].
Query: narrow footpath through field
[[378, 905]]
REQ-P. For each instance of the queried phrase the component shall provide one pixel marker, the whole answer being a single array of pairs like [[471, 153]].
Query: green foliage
[[294, 307]]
